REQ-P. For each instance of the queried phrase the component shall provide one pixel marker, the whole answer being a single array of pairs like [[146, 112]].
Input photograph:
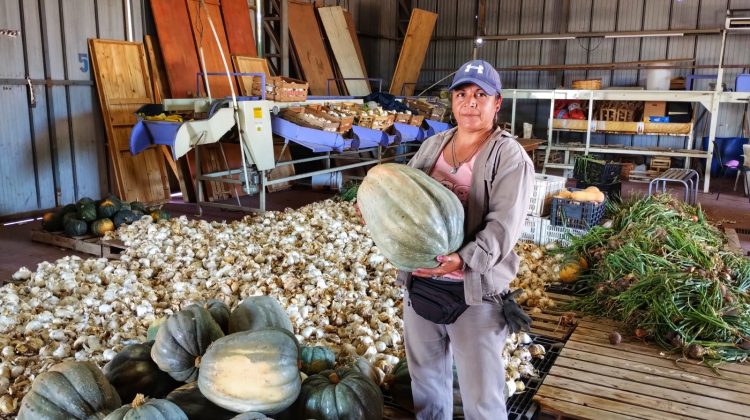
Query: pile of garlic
[[318, 261], [537, 268], [517, 355]]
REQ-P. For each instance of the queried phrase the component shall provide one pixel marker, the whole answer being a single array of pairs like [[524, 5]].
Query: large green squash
[[220, 313], [400, 387], [411, 217], [52, 221], [317, 359], [143, 408], [257, 313], [190, 400], [137, 205], [101, 227], [250, 415], [132, 371], [340, 394], [86, 212], [69, 390], [108, 208], [160, 214], [252, 371], [76, 227], [85, 201], [182, 340], [124, 217]]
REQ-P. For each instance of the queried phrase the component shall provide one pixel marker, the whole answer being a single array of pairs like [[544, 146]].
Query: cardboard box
[[654, 109]]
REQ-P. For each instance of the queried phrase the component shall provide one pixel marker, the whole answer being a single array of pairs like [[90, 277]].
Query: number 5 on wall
[[83, 58]]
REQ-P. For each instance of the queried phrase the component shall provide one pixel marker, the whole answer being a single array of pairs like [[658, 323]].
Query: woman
[[493, 177]]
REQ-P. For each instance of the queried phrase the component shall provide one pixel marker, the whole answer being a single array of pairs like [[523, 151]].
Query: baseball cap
[[481, 73]]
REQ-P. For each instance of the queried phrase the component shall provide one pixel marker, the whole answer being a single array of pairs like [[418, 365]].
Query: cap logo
[[479, 68]]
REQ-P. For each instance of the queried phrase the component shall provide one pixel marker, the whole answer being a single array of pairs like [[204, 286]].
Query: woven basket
[[589, 84]]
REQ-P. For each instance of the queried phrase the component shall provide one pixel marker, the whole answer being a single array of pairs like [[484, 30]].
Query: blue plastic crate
[[574, 214]]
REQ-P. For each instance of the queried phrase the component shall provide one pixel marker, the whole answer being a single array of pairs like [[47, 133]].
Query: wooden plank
[[239, 29], [122, 74], [593, 401], [586, 390], [575, 411], [671, 372], [87, 244], [310, 49], [157, 68], [355, 40], [177, 46], [342, 45], [204, 39], [418, 34], [245, 64], [632, 372], [662, 362], [600, 378], [281, 171]]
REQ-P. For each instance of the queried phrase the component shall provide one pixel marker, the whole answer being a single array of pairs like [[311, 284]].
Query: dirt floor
[[732, 208]]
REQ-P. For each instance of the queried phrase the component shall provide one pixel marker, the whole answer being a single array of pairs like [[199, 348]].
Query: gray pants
[[476, 342]]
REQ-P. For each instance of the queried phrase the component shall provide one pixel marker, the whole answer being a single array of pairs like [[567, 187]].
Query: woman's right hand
[[359, 213]]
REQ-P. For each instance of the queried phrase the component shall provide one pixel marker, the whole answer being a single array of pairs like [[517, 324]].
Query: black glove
[[515, 317]]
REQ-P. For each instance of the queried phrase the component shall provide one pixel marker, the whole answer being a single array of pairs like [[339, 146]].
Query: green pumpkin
[[124, 217], [107, 208], [317, 359], [69, 390], [68, 208], [340, 394], [400, 387], [137, 205], [182, 340], [154, 328], [252, 371], [412, 218], [85, 201], [138, 214], [76, 227], [132, 371], [101, 227], [257, 313], [250, 415], [87, 212], [143, 408], [196, 406], [220, 313], [159, 214], [52, 221]]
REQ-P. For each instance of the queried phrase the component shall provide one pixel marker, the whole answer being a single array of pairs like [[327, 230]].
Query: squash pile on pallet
[[87, 216], [319, 264]]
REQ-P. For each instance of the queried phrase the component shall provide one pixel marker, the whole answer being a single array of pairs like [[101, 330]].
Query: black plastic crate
[[574, 214], [521, 406], [595, 171], [613, 191]]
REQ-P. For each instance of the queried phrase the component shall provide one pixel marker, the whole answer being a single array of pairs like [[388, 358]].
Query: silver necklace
[[454, 169]]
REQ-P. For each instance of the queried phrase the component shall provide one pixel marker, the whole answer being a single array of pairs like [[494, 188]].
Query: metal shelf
[[685, 153], [623, 133]]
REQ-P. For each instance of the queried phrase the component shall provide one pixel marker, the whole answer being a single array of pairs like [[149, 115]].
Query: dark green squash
[[182, 340], [137, 205], [400, 387], [101, 227], [86, 212], [52, 221], [160, 214], [317, 359], [143, 408], [252, 371], [68, 208], [257, 313], [107, 208], [69, 390], [343, 393], [85, 201], [132, 371], [76, 227], [196, 406], [124, 217], [220, 313]]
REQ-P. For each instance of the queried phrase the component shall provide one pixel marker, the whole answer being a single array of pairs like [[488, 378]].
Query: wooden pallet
[[87, 244], [592, 379], [553, 323]]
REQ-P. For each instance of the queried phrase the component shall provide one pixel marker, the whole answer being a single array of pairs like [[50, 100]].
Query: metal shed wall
[[53, 148]]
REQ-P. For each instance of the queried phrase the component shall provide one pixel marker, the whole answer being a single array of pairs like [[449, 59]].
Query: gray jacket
[[501, 186]]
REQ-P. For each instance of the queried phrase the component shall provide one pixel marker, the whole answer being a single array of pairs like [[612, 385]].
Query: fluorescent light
[[539, 38], [19, 222], [644, 35]]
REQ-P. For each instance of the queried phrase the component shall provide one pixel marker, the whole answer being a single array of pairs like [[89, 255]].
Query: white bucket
[[332, 180], [658, 79]]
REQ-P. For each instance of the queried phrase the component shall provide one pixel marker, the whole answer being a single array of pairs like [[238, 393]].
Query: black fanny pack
[[439, 301]]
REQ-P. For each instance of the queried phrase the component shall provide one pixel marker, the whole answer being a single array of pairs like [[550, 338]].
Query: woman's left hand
[[448, 264]]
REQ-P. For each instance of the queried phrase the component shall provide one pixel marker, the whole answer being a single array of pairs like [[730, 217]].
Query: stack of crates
[[601, 174], [538, 227]]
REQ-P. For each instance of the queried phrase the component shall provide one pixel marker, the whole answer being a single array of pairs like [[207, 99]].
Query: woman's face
[[473, 109]]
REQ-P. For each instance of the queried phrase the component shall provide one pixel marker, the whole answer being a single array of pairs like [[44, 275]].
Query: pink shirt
[[459, 183]]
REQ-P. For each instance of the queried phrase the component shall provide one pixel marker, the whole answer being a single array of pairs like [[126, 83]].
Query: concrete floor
[[17, 250]]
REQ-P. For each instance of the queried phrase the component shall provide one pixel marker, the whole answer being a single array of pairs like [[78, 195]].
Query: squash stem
[[197, 361], [138, 401], [334, 378]]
